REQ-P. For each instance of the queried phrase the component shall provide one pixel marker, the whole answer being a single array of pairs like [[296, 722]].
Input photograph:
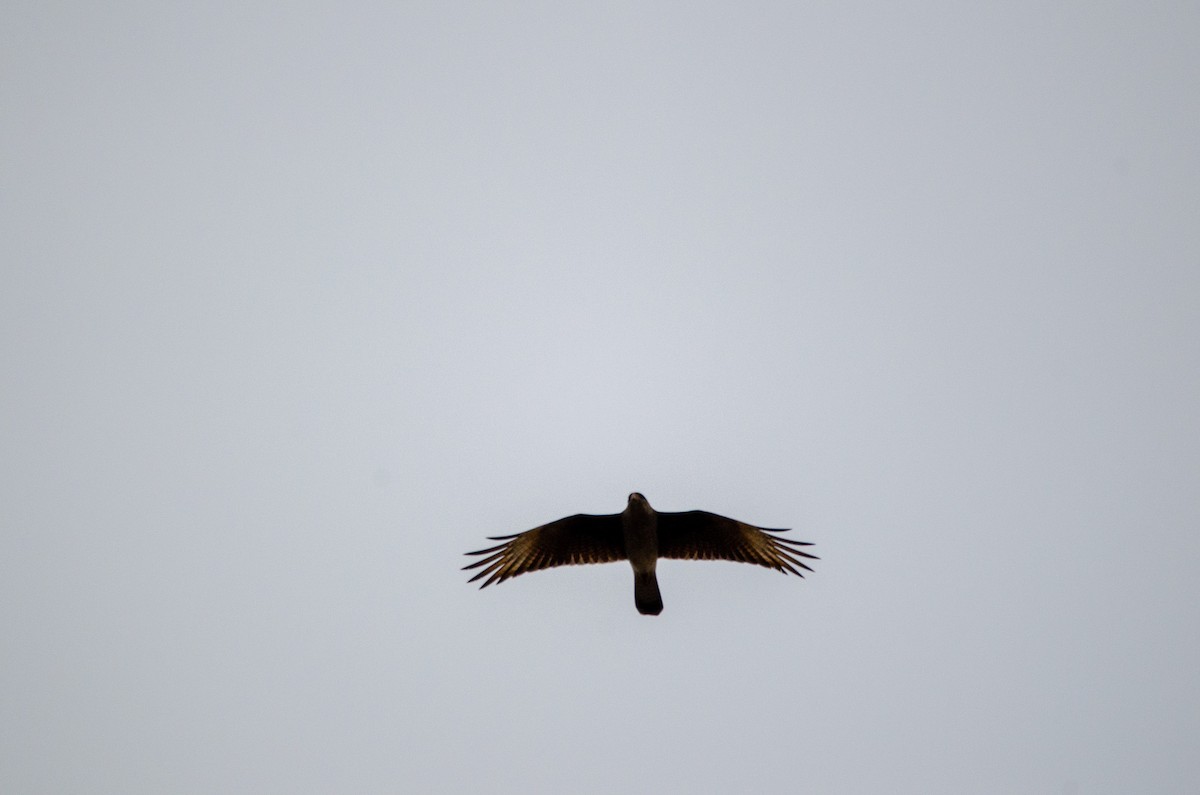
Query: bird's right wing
[[700, 535], [582, 538]]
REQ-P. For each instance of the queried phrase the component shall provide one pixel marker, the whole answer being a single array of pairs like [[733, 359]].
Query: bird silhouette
[[640, 535]]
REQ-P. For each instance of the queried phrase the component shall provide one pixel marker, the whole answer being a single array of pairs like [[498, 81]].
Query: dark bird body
[[640, 535]]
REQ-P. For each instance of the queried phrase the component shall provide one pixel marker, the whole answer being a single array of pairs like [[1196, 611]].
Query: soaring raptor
[[640, 535]]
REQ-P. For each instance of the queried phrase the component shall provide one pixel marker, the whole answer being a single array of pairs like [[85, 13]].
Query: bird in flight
[[640, 535]]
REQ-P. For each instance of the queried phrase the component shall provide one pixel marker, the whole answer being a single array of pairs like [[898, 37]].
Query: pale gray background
[[300, 302]]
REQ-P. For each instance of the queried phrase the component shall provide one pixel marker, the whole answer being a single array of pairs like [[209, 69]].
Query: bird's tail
[[645, 593]]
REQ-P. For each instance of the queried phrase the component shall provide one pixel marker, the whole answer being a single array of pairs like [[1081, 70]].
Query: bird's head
[[637, 499]]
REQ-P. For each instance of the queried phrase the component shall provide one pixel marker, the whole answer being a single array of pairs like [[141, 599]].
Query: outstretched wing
[[700, 535], [582, 538]]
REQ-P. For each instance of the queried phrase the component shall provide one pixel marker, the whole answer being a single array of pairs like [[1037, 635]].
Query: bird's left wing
[[582, 538], [700, 535]]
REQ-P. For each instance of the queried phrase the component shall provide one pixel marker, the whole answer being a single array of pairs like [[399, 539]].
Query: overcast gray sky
[[300, 302]]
